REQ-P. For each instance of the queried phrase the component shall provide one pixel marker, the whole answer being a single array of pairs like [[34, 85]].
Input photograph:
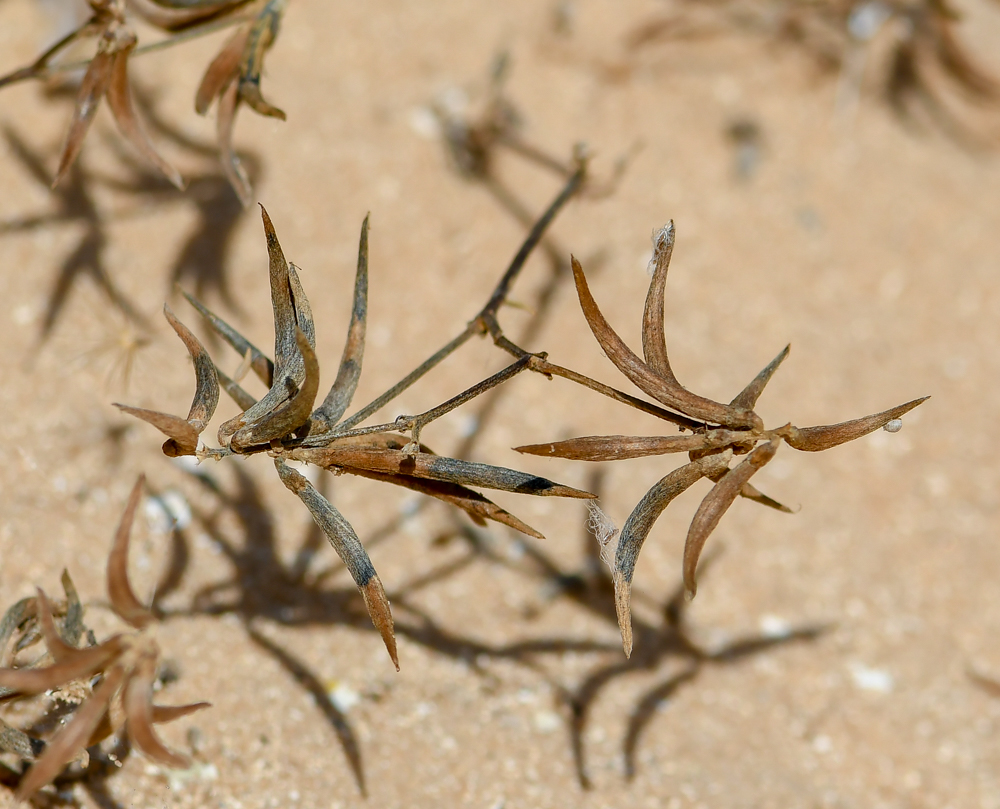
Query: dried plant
[[914, 43], [125, 668], [286, 424], [232, 77], [719, 432]]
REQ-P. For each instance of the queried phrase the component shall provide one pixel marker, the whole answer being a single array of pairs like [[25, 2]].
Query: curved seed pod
[[436, 467], [287, 360], [161, 715], [751, 393], [816, 439], [654, 342], [73, 622], [123, 599], [58, 648], [290, 416], [639, 524], [223, 70], [479, 508], [206, 397], [88, 98], [339, 398], [715, 504], [289, 365], [183, 437], [81, 663], [623, 447], [183, 434], [261, 36], [260, 364], [68, 742], [174, 15], [138, 704], [668, 392], [749, 492], [120, 102], [169, 713], [225, 120], [349, 548]]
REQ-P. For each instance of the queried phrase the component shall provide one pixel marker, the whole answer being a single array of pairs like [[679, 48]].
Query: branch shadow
[[202, 260], [926, 76], [265, 588], [592, 589], [74, 205]]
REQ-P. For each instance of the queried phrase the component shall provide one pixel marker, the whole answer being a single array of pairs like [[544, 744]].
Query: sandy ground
[[869, 247]]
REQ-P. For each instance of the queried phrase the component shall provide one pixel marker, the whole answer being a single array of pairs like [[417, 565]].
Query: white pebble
[[872, 679]]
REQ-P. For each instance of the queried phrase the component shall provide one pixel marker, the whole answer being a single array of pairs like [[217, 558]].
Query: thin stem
[[409, 379], [534, 237], [542, 366], [416, 423], [485, 321], [39, 71]]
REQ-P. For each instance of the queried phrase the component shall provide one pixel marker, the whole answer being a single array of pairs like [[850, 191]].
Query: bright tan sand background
[[870, 247]]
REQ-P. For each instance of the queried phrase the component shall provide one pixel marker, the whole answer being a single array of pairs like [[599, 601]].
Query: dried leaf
[[92, 89], [183, 437], [339, 398], [749, 492], [435, 467], [715, 504], [71, 739], [261, 36], [287, 417], [169, 713], [654, 341], [639, 524], [73, 622], [81, 663], [478, 507], [120, 101], [289, 365], [176, 15], [222, 71], [816, 439], [623, 447], [349, 548], [751, 393], [58, 648], [138, 705], [664, 390], [122, 597], [225, 120], [206, 397]]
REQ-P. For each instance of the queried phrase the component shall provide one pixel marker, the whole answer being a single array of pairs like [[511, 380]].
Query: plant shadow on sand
[[201, 262], [265, 590]]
